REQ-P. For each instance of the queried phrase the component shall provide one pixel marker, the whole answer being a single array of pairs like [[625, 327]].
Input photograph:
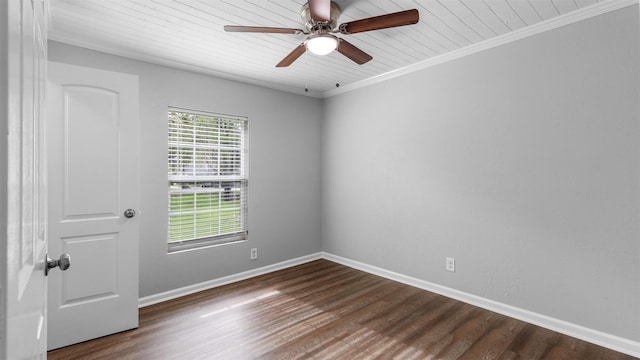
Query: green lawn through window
[[202, 215]]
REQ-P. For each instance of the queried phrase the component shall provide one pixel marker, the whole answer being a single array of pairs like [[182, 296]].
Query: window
[[207, 179]]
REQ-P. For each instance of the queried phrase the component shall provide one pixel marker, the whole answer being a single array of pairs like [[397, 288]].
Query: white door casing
[[92, 137], [23, 41]]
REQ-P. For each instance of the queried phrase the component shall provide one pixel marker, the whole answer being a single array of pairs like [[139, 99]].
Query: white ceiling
[[189, 34]]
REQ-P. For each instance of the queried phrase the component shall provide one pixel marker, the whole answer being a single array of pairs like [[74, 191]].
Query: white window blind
[[207, 179]]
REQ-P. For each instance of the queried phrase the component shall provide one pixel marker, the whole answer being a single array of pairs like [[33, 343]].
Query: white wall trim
[[210, 284], [553, 23], [613, 342], [134, 55]]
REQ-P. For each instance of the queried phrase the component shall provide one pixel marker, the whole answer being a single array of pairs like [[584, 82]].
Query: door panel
[[103, 283], [85, 171], [93, 171], [22, 180]]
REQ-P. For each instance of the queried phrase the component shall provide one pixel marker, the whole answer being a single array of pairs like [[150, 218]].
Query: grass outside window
[[207, 192]]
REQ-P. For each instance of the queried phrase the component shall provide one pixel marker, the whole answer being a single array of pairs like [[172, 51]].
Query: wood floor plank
[[322, 310]]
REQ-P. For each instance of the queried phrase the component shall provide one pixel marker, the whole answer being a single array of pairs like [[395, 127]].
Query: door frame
[[4, 113]]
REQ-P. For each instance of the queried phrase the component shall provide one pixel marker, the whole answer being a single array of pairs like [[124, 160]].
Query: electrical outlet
[[451, 264], [254, 253]]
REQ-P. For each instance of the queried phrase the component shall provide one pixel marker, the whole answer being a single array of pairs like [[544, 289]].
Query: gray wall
[[522, 162], [284, 169]]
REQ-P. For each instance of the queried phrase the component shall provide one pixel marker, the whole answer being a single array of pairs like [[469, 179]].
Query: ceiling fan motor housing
[[313, 25]]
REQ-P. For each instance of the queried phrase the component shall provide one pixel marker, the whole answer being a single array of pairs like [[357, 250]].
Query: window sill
[[205, 244]]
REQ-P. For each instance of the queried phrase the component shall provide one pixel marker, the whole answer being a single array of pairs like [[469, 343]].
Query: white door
[[23, 238], [92, 136]]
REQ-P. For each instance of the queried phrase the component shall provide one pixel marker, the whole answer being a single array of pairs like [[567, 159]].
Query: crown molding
[[523, 33], [133, 55]]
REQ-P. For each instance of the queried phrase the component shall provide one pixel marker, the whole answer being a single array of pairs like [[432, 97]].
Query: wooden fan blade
[[320, 10], [349, 50], [401, 18], [261, 29], [293, 56]]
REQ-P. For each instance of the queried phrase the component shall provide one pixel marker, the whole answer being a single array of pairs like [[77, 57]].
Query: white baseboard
[[613, 342], [191, 289]]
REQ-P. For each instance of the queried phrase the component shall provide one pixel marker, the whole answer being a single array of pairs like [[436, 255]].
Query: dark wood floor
[[323, 310]]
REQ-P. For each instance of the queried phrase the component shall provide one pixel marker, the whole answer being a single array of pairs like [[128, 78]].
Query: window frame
[[242, 179]]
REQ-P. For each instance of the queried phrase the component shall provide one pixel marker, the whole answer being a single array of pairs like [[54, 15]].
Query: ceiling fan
[[321, 22]]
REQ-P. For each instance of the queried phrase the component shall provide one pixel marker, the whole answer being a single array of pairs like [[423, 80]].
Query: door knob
[[129, 213], [64, 262]]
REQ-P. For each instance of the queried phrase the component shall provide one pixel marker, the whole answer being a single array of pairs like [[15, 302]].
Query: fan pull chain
[[335, 57], [306, 80]]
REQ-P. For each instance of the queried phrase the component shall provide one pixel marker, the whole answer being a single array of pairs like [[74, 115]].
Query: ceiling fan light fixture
[[322, 44]]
